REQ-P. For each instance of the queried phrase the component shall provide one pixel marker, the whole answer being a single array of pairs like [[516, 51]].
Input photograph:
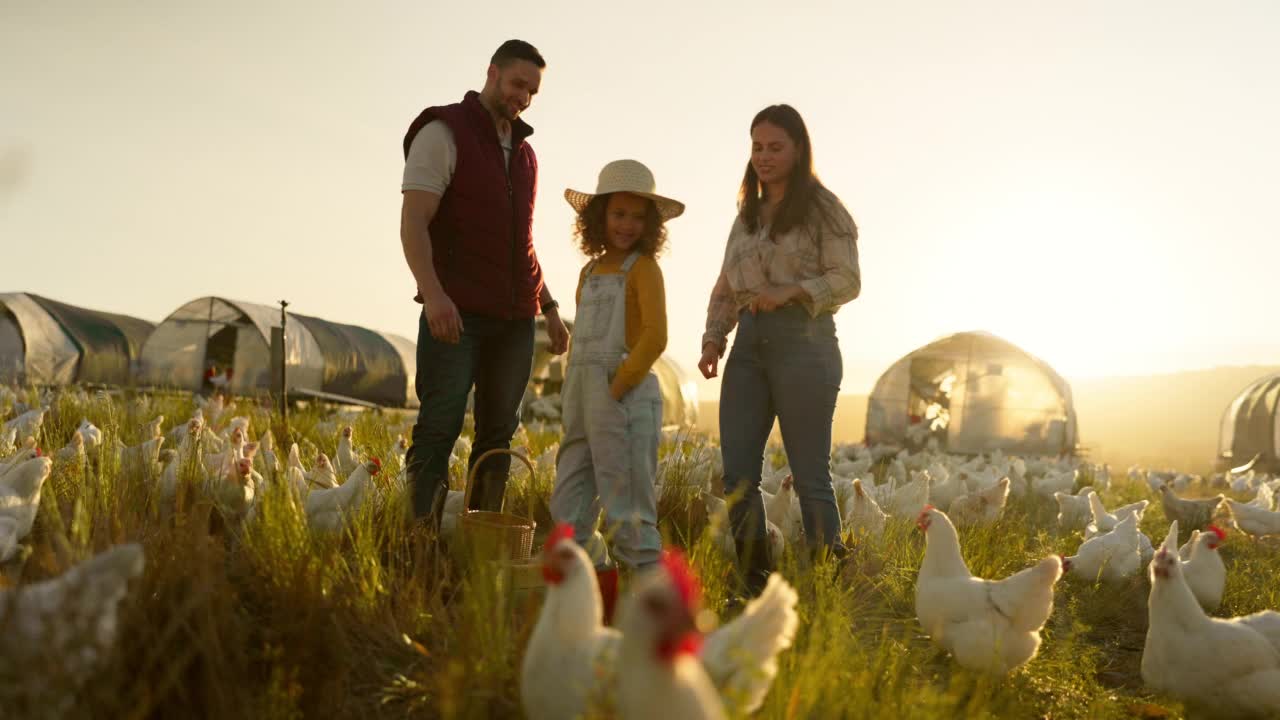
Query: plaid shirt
[[821, 256]]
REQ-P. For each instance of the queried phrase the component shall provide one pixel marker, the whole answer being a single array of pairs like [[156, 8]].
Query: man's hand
[[557, 333], [774, 297], [442, 317], [710, 361]]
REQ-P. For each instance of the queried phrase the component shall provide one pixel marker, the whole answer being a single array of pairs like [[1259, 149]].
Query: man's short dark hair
[[513, 50]]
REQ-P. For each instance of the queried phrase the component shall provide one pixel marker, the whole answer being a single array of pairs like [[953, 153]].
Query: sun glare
[[1072, 278]]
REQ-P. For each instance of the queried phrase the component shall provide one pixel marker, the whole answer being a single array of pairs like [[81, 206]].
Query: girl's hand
[[773, 298], [710, 361]]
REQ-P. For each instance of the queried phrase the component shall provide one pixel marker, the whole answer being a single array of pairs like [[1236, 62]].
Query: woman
[[790, 263]]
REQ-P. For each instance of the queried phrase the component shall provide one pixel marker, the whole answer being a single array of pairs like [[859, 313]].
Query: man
[[465, 223]]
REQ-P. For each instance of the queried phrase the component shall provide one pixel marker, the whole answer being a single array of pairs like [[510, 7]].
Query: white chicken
[[1053, 482], [153, 428], [1105, 521], [92, 436], [909, 499], [346, 458], [232, 488], [567, 665], [323, 475], [1202, 566], [1264, 498], [19, 502], [67, 622], [861, 513], [1254, 520], [28, 451], [327, 509], [783, 510], [660, 676], [1074, 510], [215, 462], [1110, 557], [980, 508], [400, 448], [1220, 668], [1189, 513], [451, 514], [140, 460], [25, 425], [571, 662], [987, 625], [73, 450], [946, 486], [266, 461], [722, 532]]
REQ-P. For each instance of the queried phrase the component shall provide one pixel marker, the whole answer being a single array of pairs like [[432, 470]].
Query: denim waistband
[[787, 322]]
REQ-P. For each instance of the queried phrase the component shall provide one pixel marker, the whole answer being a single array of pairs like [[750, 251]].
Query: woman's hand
[[710, 361], [774, 297]]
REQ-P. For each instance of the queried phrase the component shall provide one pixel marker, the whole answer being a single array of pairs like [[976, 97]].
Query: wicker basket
[[496, 535]]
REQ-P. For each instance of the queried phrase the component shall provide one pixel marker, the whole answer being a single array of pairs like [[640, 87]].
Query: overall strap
[[630, 261]]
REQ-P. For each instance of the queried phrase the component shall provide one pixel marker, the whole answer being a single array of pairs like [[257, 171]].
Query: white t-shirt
[[433, 155]]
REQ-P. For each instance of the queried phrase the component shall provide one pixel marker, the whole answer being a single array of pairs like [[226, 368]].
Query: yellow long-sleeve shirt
[[646, 314]]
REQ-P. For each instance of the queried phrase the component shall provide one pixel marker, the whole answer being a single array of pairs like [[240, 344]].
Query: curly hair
[[590, 228]]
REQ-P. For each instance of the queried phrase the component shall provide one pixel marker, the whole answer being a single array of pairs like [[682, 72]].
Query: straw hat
[[626, 176]]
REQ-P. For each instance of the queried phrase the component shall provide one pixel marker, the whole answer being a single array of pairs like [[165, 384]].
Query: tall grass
[[270, 620]]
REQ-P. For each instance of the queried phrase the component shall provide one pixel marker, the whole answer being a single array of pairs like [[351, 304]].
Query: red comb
[[38, 453], [1222, 534], [682, 576], [377, 463], [563, 531]]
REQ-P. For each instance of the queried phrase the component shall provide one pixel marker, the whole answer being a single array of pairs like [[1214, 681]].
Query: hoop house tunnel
[[1251, 427], [975, 393], [46, 342], [323, 357]]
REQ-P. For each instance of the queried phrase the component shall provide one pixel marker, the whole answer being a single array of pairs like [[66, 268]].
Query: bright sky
[[1095, 181]]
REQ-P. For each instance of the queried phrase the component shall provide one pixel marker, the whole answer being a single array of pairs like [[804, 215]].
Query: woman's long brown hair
[[802, 186]]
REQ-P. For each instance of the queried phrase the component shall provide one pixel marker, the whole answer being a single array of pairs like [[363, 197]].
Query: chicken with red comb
[[573, 665], [570, 645], [1218, 668], [672, 671], [987, 625]]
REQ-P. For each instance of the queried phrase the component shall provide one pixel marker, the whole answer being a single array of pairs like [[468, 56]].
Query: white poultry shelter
[[1251, 427], [46, 342], [974, 393], [325, 359]]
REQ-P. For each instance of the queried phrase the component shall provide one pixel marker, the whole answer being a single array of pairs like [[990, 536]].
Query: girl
[[790, 263], [612, 407]]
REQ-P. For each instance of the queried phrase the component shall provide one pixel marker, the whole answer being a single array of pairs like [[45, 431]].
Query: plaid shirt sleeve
[[840, 278], [722, 315]]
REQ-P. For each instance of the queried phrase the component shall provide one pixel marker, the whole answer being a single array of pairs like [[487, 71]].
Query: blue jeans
[[784, 365], [496, 356]]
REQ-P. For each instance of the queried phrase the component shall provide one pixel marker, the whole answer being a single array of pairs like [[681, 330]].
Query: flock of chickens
[[660, 659], [986, 625]]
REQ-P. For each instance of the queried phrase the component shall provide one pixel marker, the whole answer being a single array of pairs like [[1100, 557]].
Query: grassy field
[[270, 620]]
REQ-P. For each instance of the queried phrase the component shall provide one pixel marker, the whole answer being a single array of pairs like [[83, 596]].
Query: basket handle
[[471, 476]]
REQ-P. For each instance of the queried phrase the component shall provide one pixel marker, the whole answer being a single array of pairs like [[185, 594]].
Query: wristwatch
[[548, 307]]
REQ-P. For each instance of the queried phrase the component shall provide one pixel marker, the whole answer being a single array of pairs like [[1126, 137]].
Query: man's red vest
[[482, 234]]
